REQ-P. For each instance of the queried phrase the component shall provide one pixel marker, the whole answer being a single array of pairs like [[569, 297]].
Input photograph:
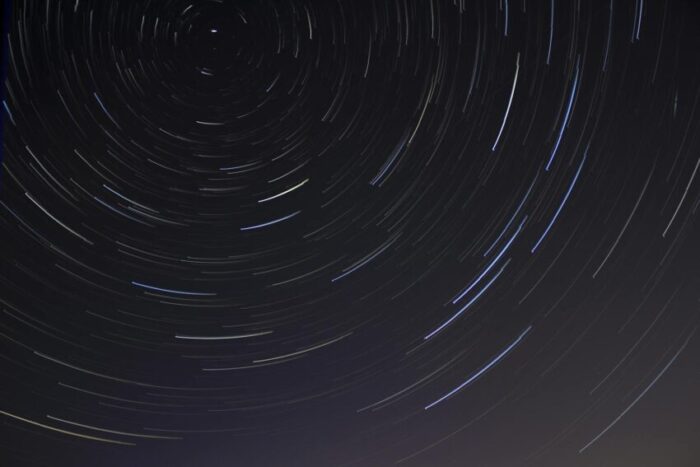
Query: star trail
[[350, 233]]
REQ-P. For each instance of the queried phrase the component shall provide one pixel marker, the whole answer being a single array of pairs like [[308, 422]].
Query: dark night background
[[278, 233]]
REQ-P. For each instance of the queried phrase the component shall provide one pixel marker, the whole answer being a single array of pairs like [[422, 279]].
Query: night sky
[[314, 233]]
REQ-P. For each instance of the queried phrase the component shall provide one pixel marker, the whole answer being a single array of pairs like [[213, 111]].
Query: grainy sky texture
[[313, 233]]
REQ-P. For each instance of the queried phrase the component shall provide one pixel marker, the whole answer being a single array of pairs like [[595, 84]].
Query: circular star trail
[[314, 233]]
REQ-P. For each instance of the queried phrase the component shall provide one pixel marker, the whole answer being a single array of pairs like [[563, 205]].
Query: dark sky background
[[350, 233]]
